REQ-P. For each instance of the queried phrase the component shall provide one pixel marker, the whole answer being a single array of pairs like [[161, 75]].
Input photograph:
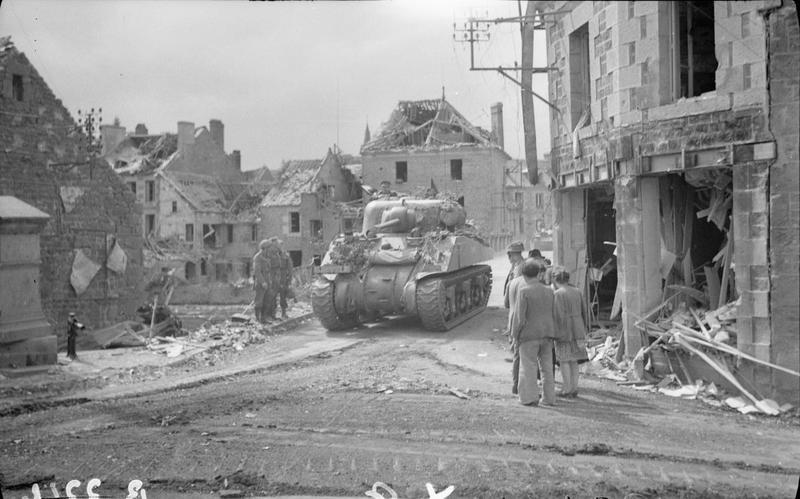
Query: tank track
[[435, 297], [322, 293]]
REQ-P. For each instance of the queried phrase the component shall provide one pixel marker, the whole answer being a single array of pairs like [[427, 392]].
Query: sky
[[287, 79]]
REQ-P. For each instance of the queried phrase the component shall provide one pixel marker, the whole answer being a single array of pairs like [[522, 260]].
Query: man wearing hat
[[514, 252]]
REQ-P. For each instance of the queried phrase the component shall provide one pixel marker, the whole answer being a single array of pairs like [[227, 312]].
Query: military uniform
[[277, 267], [260, 284]]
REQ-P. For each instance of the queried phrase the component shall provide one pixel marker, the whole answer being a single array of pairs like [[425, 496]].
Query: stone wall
[[44, 165], [481, 181], [783, 202]]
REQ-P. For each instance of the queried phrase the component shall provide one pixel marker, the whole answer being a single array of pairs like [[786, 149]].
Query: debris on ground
[[692, 355]]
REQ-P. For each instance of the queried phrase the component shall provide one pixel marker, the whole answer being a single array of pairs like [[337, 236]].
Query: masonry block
[[762, 351], [761, 330], [744, 329], [758, 276]]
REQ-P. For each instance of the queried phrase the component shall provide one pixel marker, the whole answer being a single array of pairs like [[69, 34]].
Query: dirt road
[[331, 414]]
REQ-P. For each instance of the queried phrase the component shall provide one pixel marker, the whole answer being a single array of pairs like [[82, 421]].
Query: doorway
[[601, 260]]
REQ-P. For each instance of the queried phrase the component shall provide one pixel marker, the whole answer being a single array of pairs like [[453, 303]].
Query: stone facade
[[195, 200], [459, 158], [735, 114], [306, 209], [46, 165], [530, 207]]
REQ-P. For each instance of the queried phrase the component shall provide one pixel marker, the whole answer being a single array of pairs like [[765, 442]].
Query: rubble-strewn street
[[309, 412], [464, 249]]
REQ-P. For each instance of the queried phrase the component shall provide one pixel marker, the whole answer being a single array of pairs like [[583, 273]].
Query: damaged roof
[[426, 125], [201, 191], [299, 177], [143, 153]]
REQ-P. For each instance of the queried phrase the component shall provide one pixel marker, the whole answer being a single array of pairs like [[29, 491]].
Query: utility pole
[[476, 30]]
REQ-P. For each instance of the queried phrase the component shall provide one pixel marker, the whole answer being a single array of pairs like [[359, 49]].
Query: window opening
[[294, 221], [17, 88], [401, 171], [694, 60], [455, 169], [579, 77], [150, 191]]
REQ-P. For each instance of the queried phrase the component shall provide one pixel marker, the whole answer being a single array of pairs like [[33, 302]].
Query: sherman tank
[[413, 257]]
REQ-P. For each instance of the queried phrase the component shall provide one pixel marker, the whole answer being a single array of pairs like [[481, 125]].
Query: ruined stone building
[[199, 209], [428, 142], [91, 248], [676, 151], [530, 206], [312, 202]]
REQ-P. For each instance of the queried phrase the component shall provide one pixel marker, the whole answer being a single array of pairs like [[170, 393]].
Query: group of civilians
[[547, 323]]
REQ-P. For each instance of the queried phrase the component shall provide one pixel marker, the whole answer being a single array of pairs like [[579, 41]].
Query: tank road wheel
[[322, 293], [444, 301]]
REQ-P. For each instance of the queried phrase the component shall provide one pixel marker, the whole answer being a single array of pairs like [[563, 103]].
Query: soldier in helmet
[[276, 267], [284, 279], [260, 280]]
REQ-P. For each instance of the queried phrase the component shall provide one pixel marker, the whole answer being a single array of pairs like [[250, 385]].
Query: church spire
[[367, 136]]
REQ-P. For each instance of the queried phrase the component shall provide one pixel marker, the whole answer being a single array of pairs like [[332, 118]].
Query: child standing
[[571, 320]]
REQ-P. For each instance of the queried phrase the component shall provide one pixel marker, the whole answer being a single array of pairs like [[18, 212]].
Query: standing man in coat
[[572, 317], [260, 280], [514, 252], [285, 280], [532, 333], [275, 266]]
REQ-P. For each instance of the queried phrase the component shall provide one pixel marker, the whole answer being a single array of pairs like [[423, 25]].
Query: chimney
[[140, 129], [236, 157], [185, 135], [217, 130], [497, 123], [112, 136]]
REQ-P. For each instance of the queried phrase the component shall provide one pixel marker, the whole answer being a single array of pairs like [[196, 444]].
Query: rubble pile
[[693, 356]]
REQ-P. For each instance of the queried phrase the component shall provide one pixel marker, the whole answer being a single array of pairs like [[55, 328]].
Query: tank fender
[[347, 294]]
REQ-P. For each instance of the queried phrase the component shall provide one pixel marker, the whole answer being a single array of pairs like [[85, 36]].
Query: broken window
[[174, 207], [253, 234], [316, 229], [294, 221], [579, 76], [317, 260], [149, 224], [401, 171], [694, 61], [455, 169], [190, 270], [150, 191], [132, 186], [460, 200], [230, 234], [297, 257], [209, 236], [189, 232], [17, 88], [539, 200]]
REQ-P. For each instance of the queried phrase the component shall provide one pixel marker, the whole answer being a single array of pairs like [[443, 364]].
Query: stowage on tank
[[413, 257]]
